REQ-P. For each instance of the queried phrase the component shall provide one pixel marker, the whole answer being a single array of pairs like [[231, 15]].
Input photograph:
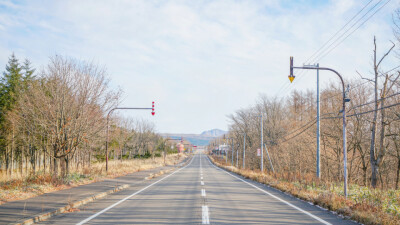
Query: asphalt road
[[199, 193]]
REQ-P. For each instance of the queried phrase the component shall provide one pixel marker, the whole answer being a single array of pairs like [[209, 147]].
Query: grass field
[[18, 188]]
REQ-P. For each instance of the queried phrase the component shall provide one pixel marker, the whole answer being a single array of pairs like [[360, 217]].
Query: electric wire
[[287, 139], [351, 88], [368, 103], [329, 51], [338, 32], [285, 87], [305, 125], [362, 113], [335, 117]]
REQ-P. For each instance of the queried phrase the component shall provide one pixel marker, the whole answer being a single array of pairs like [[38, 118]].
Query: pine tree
[[11, 84], [28, 72], [10, 89]]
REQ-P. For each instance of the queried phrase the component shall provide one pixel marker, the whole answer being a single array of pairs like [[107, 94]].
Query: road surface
[[199, 193]]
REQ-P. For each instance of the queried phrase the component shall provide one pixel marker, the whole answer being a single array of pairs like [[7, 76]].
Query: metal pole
[[270, 162], [344, 144], [226, 155], [262, 158], [318, 127], [344, 119], [244, 150], [108, 118], [232, 152], [237, 158]]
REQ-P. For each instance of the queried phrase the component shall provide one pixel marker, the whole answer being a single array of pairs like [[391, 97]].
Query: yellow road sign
[[291, 78]]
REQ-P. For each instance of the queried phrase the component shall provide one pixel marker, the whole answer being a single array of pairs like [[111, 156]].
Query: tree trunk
[[21, 162], [374, 166], [55, 165], [12, 152], [63, 167], [44, 162], [67, 165], [6, 157], [397, 174]]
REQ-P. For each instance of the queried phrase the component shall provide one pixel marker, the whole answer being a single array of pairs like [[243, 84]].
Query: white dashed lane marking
[[205, 219]]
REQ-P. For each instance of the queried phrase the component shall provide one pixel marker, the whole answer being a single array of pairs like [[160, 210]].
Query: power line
[[323, 56], [336, 117], [306, 124], [353, 87], [285, 86], [338, 32], [298, 133], [368, 103], [362, 113]]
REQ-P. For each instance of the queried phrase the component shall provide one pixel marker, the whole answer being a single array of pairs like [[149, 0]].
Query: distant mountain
[[198, 139], [213, 133]]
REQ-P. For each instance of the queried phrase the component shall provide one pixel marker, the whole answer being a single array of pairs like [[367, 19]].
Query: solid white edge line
[[277, 198], [126, 198], [205, 217]]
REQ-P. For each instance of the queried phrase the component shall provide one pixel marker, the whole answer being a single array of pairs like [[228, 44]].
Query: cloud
[[200, 60]]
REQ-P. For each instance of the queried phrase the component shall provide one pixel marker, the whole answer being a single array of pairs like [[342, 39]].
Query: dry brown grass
[[366, 206], [18, 188]]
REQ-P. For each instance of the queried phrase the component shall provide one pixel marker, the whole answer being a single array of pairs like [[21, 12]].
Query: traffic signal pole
[[108, 118], [345, 99]]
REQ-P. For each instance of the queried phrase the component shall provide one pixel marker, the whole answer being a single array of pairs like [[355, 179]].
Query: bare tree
[[67, 105]]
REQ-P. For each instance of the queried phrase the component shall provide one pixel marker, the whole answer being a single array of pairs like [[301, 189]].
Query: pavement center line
[[203, 193], [277, 198], [126, 198], [202, 183], [205, 217]]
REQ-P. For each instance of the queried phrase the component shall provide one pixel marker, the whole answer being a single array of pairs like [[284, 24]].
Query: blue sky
[[199, 60]]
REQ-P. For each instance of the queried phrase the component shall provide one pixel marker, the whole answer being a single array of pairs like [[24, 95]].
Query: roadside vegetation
[[30, 186], [289, 135], [52, 129], [364, 204]]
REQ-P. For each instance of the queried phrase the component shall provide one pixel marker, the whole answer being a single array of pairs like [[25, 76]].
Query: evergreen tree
[[28, 72], [11, 84]]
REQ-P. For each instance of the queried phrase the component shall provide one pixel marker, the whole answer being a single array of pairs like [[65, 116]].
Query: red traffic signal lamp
[[152, 109]]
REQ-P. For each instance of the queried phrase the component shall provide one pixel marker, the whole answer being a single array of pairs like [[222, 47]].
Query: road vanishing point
[[199, 193]]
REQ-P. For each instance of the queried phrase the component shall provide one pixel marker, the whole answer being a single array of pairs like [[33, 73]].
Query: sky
[[198, 60]]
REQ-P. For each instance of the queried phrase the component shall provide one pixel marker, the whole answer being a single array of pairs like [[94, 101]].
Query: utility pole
[[343, 111], [318, 128], [232, 151], [244, 150], [262, 142], [318, 157], [269, 158], [237, 158]]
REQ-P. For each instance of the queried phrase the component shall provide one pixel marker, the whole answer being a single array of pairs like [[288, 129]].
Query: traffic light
[[152, 109], [291, 76]]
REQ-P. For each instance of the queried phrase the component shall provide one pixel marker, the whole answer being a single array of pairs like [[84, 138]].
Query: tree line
[[57, 117], [289, 128]]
